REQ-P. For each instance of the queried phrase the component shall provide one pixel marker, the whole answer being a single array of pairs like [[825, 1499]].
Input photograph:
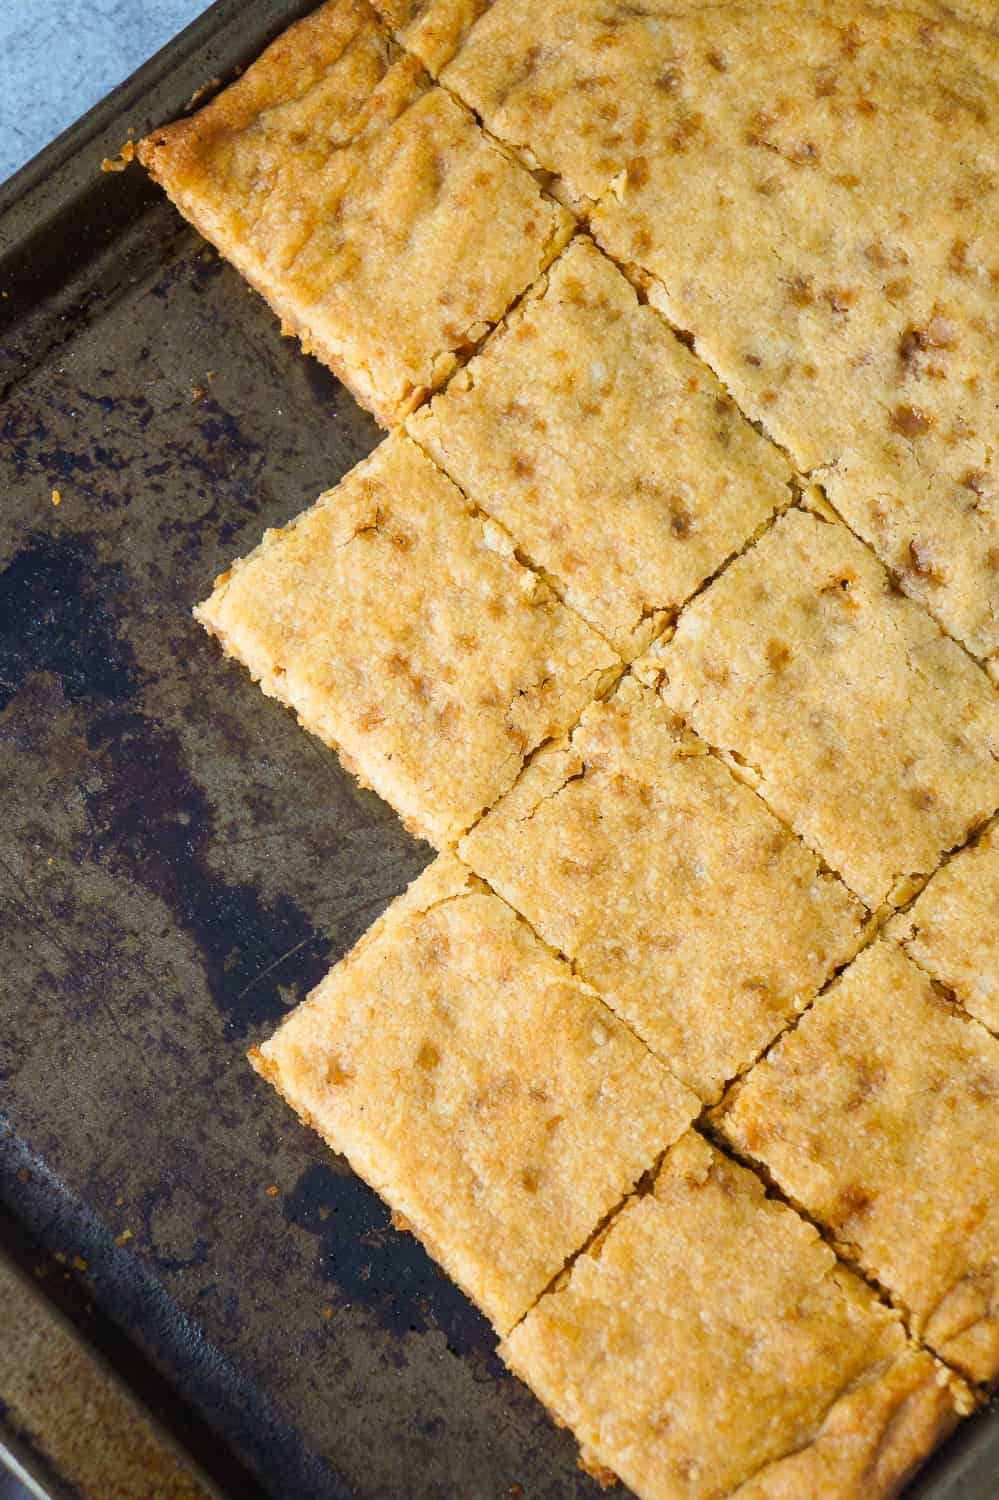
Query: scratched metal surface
[[180, 863]]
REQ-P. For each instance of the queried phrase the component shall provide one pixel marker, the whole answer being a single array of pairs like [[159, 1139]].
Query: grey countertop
[[58, 57]]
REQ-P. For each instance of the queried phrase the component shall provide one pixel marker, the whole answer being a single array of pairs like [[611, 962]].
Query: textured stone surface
[[58, 57]]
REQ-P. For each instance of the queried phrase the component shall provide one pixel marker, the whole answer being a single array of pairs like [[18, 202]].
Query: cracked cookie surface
[[952, 932], [780, 1378], [637, 854], [878, 1115]]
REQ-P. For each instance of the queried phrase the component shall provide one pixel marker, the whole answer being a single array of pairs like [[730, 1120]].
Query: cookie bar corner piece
[[402, 630], [489, 1097], [709, 1343], [365, 204]]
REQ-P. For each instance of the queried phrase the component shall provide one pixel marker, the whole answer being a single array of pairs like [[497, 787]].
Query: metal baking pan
[[180, 863]]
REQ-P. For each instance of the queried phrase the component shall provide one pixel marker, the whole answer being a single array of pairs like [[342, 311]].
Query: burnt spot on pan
[[151, 821], [148, 819], [194, 271], [384, 1269], [54, 618]]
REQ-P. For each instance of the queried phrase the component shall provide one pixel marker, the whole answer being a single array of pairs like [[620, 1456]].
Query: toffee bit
[[56, 497], [910, 421], [924, 562]]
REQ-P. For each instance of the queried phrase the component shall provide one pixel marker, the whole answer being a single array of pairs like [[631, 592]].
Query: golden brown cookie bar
[[762, 163], [365, 204], [952, 929], [637, 854], [398, 625], [433, 30], [488, 1096], [865, 728], [590, 89], [710, 1344], [860, 329], [878, 1115], [609, 452]]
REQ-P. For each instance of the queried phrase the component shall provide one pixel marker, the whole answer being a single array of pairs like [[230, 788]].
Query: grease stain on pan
[[149, 820], [54, 618], [384, 1269]]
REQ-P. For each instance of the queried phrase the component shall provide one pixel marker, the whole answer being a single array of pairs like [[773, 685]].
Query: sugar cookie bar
[[863, 726], [364, 203], [399, 626], [641, 857], [710, 1344], [878, 1115], [489, 1097], [611, 454]]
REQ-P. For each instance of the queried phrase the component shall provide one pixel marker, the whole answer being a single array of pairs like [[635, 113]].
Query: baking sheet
[[180, 863]]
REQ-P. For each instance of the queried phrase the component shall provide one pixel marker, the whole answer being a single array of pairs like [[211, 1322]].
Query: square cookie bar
[[878, 1115], [398, 625], [710, 1344], [761, 164], [640, 856], [365, 204], [860, 333], [952, 929], [863, 726], [489, 1097], [611, 454]]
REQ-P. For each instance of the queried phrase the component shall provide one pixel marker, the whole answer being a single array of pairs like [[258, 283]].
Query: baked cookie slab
[[398, 625], [365, 204], [863, 726], [878, 1115], [860, 331], [606, 449], [488, 1096], [637, 854], [952, 929], [764, 166], [710, 1344]]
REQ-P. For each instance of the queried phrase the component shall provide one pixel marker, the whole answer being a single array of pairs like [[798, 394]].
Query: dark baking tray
[[179, 862]]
